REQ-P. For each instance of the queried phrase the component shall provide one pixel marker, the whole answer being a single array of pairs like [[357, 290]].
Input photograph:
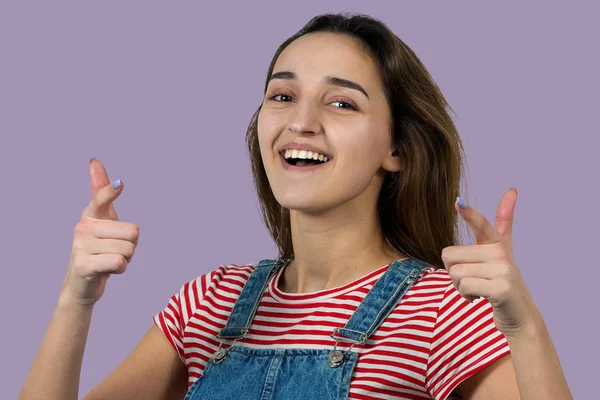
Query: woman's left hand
[[487, 269]]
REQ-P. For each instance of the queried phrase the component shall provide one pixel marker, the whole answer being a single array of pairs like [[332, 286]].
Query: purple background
[[163, 94]]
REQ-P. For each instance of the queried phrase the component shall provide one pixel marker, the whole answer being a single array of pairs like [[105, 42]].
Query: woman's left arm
[[487, 269], [531, 371]]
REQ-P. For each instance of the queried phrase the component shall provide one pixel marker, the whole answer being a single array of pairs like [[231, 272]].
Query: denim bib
[[239, 372]]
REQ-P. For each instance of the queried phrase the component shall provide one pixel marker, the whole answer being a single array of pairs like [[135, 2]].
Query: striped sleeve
[[173, 319], [465, 340]]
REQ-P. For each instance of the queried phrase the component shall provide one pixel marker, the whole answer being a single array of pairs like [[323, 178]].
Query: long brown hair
[[416, 205]]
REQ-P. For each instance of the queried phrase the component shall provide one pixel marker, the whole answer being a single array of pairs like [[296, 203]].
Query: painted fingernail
[[116, 184], [461, 202]]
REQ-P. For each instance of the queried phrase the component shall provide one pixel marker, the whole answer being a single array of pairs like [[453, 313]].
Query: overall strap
[[246, 305], [381, 300]]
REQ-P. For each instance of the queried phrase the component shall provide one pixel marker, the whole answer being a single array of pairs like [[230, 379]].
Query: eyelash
[[350, 104]]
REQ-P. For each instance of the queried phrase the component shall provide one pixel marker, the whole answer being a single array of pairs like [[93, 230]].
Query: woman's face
[[326, 93]]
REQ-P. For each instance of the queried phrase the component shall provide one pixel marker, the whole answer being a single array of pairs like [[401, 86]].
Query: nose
[[305, 118]]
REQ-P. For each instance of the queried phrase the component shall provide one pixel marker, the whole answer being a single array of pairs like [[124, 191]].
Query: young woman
[[357, 166]]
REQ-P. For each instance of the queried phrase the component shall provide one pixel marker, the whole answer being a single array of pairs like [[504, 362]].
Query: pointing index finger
[[98, 175], [484, 232]]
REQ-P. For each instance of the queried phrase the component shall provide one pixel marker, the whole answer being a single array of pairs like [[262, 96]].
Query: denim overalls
[[238, 372]]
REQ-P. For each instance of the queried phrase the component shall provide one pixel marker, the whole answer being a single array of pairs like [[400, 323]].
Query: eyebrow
[[331, 80]]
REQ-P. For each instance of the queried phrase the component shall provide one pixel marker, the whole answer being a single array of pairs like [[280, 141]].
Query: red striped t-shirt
[[433, 340]]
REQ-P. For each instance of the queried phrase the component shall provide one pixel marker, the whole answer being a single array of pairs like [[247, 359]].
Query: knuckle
[[456, 284], [130, 249], [119, 270], [134, 231], [500, 253], [453, 270], [503, 290], [504, 271], [82, 228], [76, 261], [131, 230], [457, 271], [446, 253], [119, 263], [79, 244], [464, 286], [84, 266]]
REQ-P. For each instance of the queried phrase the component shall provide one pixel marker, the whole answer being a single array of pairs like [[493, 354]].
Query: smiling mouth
[[298, 162], [304, 160]]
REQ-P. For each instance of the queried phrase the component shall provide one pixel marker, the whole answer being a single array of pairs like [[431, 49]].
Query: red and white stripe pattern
[[432, 341]]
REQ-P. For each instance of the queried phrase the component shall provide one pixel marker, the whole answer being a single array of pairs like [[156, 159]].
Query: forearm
[[55, 372], [537, 367]]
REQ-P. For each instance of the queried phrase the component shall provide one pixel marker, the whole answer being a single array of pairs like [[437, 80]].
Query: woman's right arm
[[153, 370], [55, 370], [102, 246]]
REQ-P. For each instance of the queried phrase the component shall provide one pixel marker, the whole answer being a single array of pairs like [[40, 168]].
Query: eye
[[346, 104], [282, 95], [281, 98]]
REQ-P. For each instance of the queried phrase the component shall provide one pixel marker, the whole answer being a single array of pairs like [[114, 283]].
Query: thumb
[[101, 205], [98, 175], [505, 213]]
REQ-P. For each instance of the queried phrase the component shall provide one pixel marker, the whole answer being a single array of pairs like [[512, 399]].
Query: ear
[[393, 162]]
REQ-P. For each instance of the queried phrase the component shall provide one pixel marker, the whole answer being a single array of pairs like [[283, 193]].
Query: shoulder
[[224, 277], [436, 275], [215, 289], [437, 286], [434, 285], [226, 280], [424, 300]]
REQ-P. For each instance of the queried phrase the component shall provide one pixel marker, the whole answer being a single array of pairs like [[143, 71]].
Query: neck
[[335, 248]]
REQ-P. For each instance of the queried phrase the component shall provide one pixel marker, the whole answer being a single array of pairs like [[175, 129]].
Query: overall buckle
[[336, 357], [221, 353]]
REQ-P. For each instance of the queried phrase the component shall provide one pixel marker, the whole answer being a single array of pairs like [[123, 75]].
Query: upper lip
[[303, 146]]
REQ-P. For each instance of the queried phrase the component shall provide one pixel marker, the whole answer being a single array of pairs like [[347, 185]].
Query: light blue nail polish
[[116, 184], [461, 203]]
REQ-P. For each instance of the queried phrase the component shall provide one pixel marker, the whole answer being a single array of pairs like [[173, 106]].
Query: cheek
[[366, 153], [266, 130], [370, 144], [267, 134], [262, 126]]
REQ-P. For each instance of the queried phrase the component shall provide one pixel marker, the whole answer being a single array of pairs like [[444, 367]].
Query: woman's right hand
[[102, 245]]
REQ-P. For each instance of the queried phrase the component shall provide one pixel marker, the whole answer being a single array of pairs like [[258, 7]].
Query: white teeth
[[304, 154]]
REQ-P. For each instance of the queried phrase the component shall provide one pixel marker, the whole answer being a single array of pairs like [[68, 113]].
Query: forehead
[[320, 54]]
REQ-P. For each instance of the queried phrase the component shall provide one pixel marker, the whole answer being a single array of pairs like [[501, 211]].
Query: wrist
[[68, 303], [533, 328]]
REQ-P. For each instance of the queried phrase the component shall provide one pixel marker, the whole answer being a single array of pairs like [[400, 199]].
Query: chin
[[303, 202]]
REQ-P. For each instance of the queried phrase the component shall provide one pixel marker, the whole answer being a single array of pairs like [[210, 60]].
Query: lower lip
[[294, 168]]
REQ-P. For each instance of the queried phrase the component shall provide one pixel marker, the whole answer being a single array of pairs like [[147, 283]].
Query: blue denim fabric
[[238, 372]]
